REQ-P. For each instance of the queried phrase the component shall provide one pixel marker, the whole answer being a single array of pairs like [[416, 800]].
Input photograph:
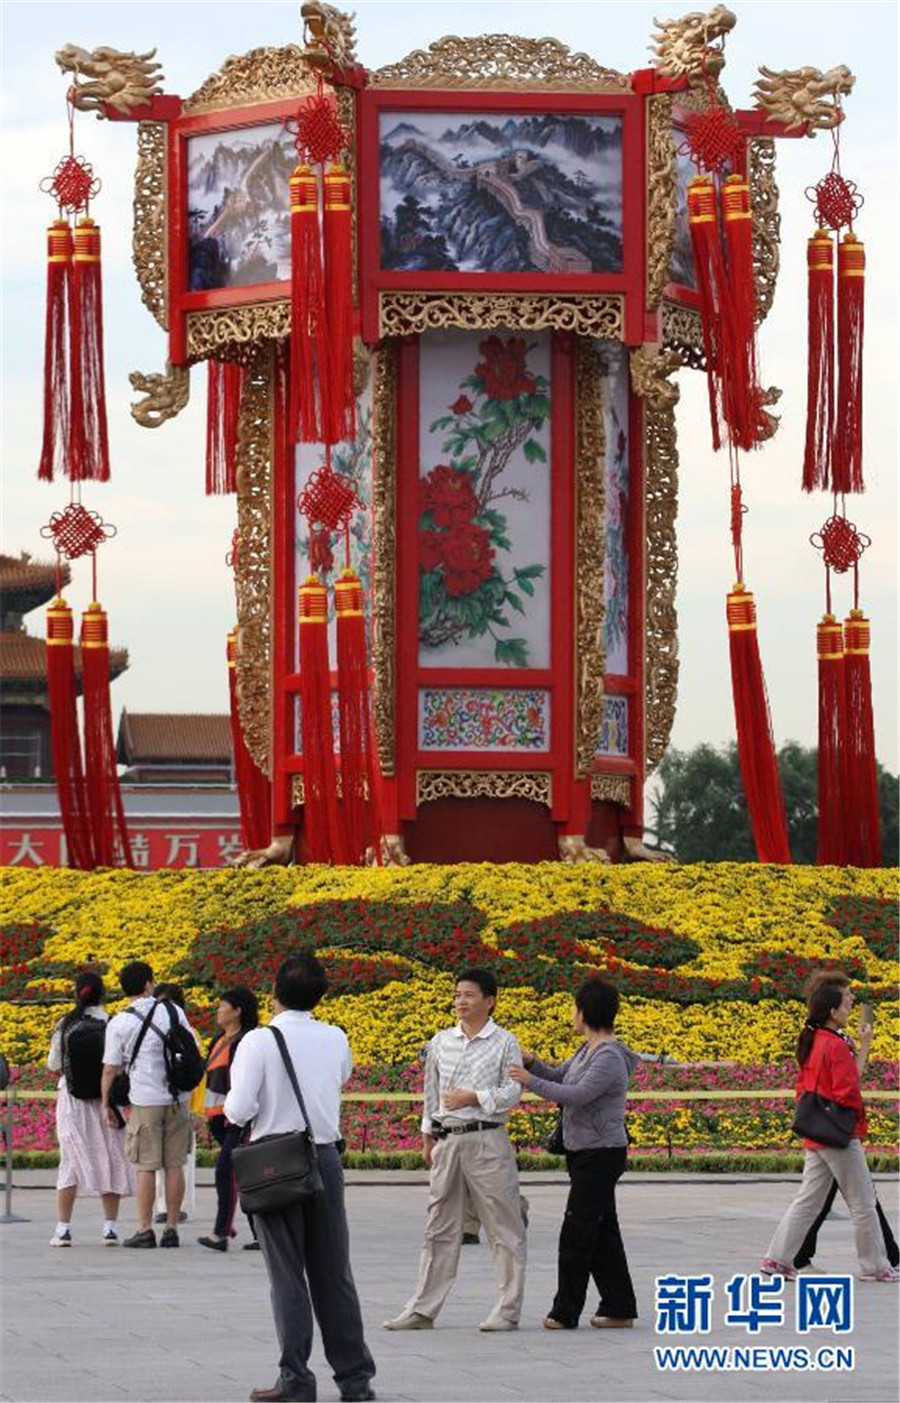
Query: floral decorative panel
[[484, 718], [614, 362], [485, 501], [614, 731]]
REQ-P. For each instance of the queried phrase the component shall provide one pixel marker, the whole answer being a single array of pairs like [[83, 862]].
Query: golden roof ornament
[[684, 47], [804, 96], [121, 81]]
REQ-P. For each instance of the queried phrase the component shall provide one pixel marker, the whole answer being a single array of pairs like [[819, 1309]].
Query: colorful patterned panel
[[614, 361], [614, 731], [483, 718]]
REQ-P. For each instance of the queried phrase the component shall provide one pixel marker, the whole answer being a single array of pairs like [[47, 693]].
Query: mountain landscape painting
[[495, 192], [239, 224]]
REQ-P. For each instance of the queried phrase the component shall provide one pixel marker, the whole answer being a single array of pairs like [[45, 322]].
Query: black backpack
[[82, 1044], [185, 1063]]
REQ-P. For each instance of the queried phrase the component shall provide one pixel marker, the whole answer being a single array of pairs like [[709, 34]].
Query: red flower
[[461, 405], [467, 559], [448, 495], [503, 368], [430, 549]]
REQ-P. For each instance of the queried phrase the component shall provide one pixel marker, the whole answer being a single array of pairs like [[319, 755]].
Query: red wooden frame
[[628, 282]]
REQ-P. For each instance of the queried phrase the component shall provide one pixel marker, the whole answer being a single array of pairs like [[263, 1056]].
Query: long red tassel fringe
[[309, 339], [848, 470], [322, 838], [831, 757], [756, 745], [64, 737], [817, 456], [336, 221], [862, 810], [710, 270], [56, 360], [740, 381], [254, 788], [223, 405], [360, 805], [88, 436], [109, 831]]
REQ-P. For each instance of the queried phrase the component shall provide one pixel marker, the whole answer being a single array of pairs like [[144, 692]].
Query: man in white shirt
[[306, 1247], [468, 1095], [159, 1127]]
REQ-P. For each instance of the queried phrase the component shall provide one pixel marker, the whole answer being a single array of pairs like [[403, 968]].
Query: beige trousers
[[849, 1167], [484, 1163]]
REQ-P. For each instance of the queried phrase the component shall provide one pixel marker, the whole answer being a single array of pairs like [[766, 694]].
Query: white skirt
[[91, 1154]]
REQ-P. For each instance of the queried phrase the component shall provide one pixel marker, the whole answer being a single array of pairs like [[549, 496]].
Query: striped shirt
[[480, 1064]]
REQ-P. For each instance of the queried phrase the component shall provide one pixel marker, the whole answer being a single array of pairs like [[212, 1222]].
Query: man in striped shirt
[[468, 1095]]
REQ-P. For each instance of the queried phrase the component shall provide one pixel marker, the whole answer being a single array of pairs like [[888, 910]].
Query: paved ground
[[92, 1324]]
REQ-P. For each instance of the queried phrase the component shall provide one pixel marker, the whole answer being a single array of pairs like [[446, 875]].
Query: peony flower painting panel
[[501, 192]]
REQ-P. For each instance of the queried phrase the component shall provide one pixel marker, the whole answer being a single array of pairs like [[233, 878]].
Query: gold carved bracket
[[253, 579], [682, 331], [536, 785], [411, 313], [612, 789], [590, 552], [149, 242], [384, 523], [499, 61], [165, 394], [650, 371], [661, 197], [766, 222]]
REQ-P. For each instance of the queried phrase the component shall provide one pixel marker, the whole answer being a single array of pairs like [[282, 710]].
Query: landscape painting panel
[[681, 269], [495, 192], [239, 223]]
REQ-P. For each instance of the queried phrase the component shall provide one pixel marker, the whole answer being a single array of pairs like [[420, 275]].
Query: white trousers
[[849, 1167]]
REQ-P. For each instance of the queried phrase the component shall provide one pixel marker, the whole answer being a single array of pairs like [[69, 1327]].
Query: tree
[[701, 813]]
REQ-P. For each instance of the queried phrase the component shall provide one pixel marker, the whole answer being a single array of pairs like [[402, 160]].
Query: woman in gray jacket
[[591, 1088]]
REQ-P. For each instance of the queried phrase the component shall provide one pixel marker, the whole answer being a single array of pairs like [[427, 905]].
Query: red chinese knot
[[840, 543], [72, 185], [76, 531], [713, 139], [317, 132], [837, 201], [328, 500]]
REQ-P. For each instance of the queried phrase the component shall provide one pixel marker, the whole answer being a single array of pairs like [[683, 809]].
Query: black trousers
[[590, 1243], [306, 1249], [807, 1249], [227, 1137]]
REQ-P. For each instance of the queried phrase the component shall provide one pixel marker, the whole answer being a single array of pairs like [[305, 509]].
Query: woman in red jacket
[[831, 1066]]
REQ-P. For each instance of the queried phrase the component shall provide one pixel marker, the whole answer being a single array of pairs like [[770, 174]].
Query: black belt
[[440, 1132]]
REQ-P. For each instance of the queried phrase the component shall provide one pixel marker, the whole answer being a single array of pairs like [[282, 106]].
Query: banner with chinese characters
[[152, 848]]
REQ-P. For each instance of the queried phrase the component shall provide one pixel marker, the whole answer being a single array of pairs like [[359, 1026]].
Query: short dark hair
[[173, 992], [246, 1003], [486, 980], [598, 1003], [135, 977], [301, 981]]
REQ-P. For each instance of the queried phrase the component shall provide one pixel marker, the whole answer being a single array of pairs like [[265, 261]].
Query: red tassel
[[817, 457], [322, 838], [112, 847], [756, 745], [253, 787], [309, 339], [710, 270], [359, 778], [832, 727], [56, 383], [88, 438], [848, 472], [64, 738], [223, 404], [741, 389], [339, 304], [862, 809]]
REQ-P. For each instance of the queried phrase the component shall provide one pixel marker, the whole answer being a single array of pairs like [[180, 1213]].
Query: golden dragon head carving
[[122, 81], [683, 47], [804, 96], [330, 34]]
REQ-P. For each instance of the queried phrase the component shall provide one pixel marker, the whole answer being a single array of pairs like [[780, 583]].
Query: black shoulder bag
[[278, 1170], [816, 1118]]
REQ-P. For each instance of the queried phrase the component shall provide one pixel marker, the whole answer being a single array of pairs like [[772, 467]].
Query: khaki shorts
[[158, 1137]]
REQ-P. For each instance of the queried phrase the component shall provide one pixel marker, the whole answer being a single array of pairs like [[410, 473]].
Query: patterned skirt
[[91, 1154]]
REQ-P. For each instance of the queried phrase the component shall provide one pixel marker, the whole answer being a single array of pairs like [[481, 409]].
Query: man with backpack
[[152, 1044]]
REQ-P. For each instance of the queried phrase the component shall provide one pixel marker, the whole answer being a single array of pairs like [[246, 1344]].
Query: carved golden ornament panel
[[384, 526], [661, 196], [682, 331], [500, 61], [590, 554], [165, 394], [223, 332], [535, 785], [261, 75], [253, 578], [149, 243], [612, 789], [649, 379], [766, 222], [298, 791], [411, 313]]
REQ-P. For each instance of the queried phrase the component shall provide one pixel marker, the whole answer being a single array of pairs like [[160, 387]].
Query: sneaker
[[144, 1238], [169, 1238], [769, 1267], [61, 1239], [110, 1238], [413, 1321], [496, 1324], [890, 1276]]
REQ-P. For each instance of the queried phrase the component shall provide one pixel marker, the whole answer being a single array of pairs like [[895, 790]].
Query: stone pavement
[[90, 1324]]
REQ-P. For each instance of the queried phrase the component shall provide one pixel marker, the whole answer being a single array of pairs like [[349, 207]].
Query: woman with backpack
[[237, 1013], [91, 1153]]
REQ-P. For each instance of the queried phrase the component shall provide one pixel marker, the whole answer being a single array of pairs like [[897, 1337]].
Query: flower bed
[[710, 961]]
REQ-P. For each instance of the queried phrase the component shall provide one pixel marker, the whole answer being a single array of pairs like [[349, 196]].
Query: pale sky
[[164, 578]]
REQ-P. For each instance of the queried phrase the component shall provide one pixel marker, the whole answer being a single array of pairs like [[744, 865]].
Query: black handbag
[[824, 1121], [278, 1170], [553, 1143]]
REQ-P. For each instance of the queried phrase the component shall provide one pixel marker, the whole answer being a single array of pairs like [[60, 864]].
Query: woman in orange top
[[830, 1065], [237, 1013]]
